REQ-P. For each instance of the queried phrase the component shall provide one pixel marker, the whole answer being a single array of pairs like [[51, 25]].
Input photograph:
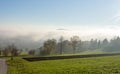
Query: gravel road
[[3, 66]]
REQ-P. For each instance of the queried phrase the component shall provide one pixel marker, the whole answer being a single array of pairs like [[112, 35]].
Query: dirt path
[[3, 66]]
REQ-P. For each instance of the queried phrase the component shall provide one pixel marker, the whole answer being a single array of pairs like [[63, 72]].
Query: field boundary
[[68, 57]]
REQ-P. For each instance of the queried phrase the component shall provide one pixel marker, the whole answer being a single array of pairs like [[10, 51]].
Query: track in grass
[[3, 66], [68, 57]]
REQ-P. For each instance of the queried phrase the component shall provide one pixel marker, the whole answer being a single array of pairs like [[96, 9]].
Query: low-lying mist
[[90, 38]]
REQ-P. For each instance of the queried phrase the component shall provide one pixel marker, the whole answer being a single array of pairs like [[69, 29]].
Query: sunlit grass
[[97, 51], [96, 65]]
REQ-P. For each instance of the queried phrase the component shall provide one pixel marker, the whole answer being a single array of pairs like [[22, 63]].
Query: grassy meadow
[[94, 65]]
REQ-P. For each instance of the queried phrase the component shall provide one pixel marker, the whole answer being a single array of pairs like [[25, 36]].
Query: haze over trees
[[49, 47], [75, 45], [31, 52], [11, 50], [74, 41], [61, 44], [65, 46]]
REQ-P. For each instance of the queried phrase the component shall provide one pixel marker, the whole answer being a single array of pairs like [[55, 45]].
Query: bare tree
[[5, 52], [61, 44], [13, 50], [74, 41]]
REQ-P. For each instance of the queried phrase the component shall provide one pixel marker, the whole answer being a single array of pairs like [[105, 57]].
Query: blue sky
[[55, 12], [59, 13]]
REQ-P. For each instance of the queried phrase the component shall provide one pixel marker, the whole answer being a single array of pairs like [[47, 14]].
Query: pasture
[[93, 65]]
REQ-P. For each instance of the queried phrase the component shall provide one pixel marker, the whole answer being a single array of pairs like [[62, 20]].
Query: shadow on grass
[[68, 57]]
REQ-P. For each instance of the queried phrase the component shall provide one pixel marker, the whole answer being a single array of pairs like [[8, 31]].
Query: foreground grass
[[96, 65]]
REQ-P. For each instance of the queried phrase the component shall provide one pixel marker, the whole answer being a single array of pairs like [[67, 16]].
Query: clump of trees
[[6, 52], [31, 52], [75, 45], [49, 47], [74, 41], [113, 45], [11, 50]]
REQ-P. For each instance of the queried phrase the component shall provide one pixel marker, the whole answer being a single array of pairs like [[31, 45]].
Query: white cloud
[[38, 32], [116, 18]]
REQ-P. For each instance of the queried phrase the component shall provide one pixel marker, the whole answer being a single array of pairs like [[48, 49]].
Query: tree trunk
[[74, 50], [11, 57], [61, 49]]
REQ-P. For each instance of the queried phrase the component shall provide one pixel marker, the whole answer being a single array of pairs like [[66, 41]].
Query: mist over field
[[29, 24], [33, 37]]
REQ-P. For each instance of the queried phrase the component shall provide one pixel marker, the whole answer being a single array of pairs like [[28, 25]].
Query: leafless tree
[[13, 50], [5, 52]]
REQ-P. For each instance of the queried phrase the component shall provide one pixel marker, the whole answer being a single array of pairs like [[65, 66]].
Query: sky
[[43, 19]]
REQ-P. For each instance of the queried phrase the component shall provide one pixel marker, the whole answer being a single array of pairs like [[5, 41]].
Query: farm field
[[94, 65]]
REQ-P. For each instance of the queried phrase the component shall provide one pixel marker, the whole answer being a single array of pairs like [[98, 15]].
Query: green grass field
[[80, 53], [95, 65]]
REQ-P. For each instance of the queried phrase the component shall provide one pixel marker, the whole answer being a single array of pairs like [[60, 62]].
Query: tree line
[[76, 45], [63, 46]]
